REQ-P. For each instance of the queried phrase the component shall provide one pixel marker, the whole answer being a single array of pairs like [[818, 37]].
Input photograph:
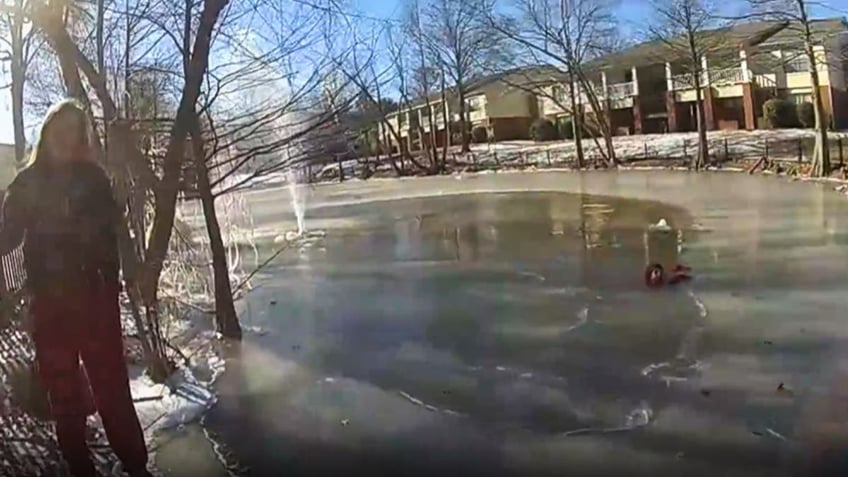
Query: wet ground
[[509, 333]]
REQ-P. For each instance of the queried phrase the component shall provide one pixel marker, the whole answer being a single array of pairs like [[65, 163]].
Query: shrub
[[806, 115], [479, 134], [566, 128], [780, 113], [543, 130]]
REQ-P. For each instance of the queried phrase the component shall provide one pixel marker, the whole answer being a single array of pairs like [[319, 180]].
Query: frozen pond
[[508, 332]]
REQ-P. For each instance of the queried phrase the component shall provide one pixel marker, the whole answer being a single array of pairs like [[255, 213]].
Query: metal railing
[[684, 81], [766, 81], [726, 76], [621, 90], [722, 76]]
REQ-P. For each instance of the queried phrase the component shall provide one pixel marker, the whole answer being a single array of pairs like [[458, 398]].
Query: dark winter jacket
[[66, 218]]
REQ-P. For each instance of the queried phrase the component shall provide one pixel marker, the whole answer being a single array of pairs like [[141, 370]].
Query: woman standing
[[61, 207]]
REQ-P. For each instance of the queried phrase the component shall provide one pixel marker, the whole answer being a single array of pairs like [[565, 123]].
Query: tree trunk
[[54, 28], [118, 137], [463, 121], [384, 126], [600, 111], [703, 151], [98, 35], [821, 153], [226, 319], [446, 122], [576, 123], [433, 149], [19, 65], [166, 196]]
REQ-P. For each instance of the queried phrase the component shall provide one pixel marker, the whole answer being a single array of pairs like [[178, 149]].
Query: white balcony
[[765, 80], [685, 81], [621, 90], [717, 77], [727, 76]]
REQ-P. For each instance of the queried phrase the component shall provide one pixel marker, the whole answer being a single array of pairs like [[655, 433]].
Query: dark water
[[511, 334]]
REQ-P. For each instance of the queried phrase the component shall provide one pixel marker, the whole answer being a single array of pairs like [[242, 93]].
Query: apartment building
[[648, 89], [500, 102], [781, 63]]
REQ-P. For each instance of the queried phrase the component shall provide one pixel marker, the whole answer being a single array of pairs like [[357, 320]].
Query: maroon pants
[[86, 324]]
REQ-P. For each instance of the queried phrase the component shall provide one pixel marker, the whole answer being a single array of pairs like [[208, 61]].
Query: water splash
[[298, 200]]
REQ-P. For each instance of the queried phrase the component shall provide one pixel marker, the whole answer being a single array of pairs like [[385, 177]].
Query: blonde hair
[[40, 153]]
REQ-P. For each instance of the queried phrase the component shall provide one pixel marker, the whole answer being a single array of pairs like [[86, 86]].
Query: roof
[[822, 29], [521, 74], [647, 53]]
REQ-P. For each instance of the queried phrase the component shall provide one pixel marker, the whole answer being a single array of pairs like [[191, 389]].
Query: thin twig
[[262, 266]]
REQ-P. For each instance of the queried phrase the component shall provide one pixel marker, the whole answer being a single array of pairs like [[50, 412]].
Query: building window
[[559, 94], [796, 62]]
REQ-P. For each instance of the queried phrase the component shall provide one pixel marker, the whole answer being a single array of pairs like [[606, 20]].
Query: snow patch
[[179, 401]]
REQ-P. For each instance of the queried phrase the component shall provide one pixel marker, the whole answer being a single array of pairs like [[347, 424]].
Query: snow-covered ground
[[267, 180], [661, 142], [778, 143], [186, 290], [648, 146], [188, 393]]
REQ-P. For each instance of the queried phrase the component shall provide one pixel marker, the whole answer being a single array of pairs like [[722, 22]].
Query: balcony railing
[[560, 99], [726, 76], [621, 90], [685, 81], [766, 81]]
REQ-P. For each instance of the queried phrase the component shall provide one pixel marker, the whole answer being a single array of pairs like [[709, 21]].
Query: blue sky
[[633, 14]]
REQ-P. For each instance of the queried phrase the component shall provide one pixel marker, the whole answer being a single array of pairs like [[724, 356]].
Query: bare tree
[[371, 84], [265, 115], [567, 34], [423, 79], [142, 268], [463, 45], [23, 44], [688, 30], [800, 28]]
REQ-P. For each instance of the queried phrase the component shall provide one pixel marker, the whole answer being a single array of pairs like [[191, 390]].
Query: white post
[[668, 80], [743, 63], [635, 81], [705, 68]]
